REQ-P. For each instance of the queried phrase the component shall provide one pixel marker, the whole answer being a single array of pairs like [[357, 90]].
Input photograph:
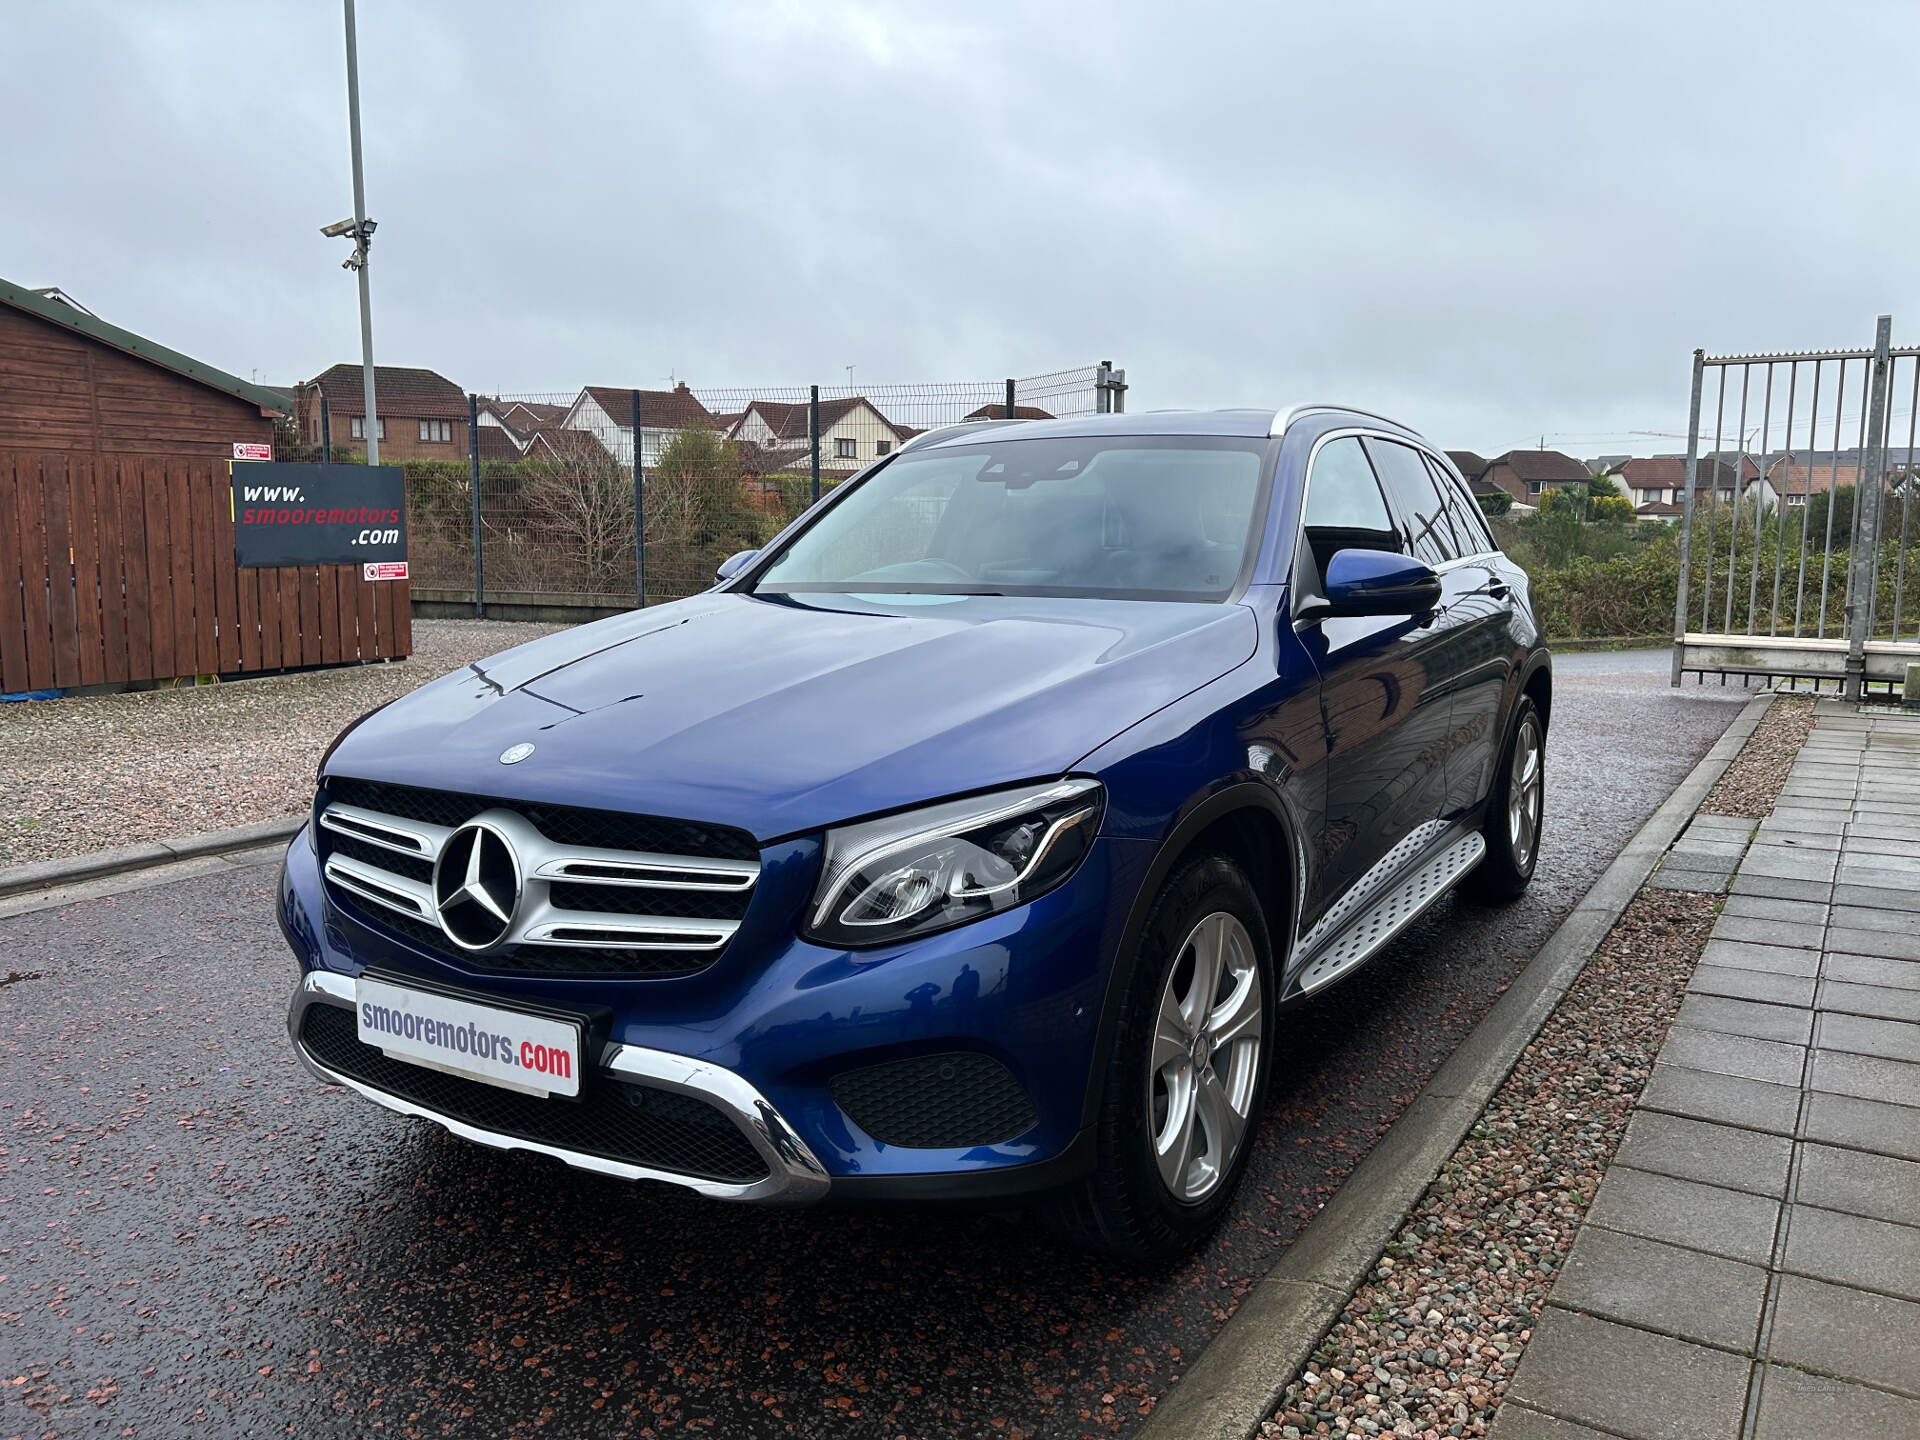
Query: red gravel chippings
[[88, 772], [1428, 1345], [1757, 773]]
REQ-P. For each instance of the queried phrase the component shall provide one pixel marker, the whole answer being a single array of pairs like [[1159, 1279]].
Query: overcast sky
[[1492, 220]]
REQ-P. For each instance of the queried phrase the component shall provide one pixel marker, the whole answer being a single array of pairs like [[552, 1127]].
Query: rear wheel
[[1188, 1075], [1515, 810]]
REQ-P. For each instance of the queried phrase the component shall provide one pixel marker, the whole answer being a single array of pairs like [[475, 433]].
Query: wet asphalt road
[[197, 1239]]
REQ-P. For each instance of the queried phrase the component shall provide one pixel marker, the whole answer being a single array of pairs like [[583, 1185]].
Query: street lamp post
[[360, 229]]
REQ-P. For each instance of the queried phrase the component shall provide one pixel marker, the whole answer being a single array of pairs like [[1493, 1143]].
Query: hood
[[782, 714]]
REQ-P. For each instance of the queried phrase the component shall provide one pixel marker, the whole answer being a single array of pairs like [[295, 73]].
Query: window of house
[[883, 447], [1795, 500], [1533, 487], [843, 449], [440, 431], [360, 428]]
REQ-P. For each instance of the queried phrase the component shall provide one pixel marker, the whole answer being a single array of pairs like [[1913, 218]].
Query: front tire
[[1187, 1080], [1515, 810]]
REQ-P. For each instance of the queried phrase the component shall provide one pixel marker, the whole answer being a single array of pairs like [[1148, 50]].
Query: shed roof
[[94, 328]]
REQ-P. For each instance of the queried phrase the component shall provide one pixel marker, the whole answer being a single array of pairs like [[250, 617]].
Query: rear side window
[[1405, 474], [1469, 525]]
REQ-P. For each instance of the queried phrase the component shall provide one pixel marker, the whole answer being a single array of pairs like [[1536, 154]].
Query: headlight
[[934, 868]]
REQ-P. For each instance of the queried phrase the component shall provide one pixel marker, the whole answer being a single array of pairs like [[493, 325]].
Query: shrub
[[1610, 507], [1496, 503]]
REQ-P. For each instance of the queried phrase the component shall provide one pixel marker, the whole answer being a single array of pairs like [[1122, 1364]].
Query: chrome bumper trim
[[794, 1175]]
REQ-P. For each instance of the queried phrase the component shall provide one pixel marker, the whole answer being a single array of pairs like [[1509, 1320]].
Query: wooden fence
[[121, 568]]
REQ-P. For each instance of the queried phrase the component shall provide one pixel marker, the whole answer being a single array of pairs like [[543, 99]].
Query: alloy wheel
[[1206, 1057], [1524, 795]]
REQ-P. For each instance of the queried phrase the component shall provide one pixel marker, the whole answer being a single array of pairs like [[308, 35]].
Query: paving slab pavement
[[1750, 1267]]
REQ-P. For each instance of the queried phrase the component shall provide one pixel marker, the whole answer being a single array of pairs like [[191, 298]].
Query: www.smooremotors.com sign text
[[318, 514]]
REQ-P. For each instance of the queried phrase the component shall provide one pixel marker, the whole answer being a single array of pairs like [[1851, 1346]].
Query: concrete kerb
[[48, 874], [1239, 1377]]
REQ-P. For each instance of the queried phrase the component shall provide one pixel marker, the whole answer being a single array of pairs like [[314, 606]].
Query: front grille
[[936, 1102], [613, 1119], [563, 824], [602, 893]]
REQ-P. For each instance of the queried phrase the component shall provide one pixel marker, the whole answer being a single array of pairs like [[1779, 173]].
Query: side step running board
[[1391, 913]]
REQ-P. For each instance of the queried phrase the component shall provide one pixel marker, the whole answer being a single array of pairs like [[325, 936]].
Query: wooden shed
[[116, 523]]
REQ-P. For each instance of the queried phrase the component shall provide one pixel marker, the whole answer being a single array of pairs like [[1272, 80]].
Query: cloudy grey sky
[[1496, 220]]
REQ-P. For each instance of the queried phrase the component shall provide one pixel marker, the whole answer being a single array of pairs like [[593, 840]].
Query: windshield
[[1133, 517]]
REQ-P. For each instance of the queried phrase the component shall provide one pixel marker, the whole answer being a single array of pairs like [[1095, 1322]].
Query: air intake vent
[[936, 1102]]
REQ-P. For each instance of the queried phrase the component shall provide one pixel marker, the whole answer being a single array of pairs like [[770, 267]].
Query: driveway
[[196, 1238]]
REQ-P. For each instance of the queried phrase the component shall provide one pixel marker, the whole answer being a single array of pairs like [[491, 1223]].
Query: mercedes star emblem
[[476, 886], [514, 754]]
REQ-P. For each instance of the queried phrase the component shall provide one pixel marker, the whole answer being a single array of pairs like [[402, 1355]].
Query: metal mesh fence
[[549, 488]]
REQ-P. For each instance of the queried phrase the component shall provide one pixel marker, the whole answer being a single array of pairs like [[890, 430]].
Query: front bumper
[[794, 1176], [764, 1033]]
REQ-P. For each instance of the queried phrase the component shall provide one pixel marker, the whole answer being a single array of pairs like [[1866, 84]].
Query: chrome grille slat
[[409, 837], [655, 872], [635, 932], [539, 923], [383, 887]]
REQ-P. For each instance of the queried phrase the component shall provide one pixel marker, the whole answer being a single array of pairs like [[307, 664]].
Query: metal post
[[1686, 513], [473, 460], [1867, 501], [1010, 397], [326, 431], [363, 239], [813, 436], [1102, 403], [639, 512]]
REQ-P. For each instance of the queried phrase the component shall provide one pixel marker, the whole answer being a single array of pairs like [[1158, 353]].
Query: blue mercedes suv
[[962, 843]]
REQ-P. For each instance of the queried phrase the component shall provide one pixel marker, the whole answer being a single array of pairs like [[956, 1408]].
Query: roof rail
[[1283, 418], [958, 427]]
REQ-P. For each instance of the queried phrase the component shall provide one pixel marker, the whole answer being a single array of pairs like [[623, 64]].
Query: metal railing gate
[[1795, 544]]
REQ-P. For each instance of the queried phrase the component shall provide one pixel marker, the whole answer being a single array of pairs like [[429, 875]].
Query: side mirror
[[1379, 582], [734, 564]]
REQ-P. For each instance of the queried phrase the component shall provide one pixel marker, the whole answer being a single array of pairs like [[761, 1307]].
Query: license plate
[[529, 1053]]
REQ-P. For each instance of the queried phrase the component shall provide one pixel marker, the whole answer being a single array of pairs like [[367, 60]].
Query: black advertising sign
[[319, 515]]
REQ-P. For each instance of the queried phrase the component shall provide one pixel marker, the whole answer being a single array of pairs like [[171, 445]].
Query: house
[[422, 415], [1655, 484], [1796, 483], [530, 431], [606, 412], [852, 432], [1527, 474], [1471, 466], [998, 411]]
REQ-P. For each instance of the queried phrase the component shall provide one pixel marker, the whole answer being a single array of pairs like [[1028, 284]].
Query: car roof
[[1235, 424]]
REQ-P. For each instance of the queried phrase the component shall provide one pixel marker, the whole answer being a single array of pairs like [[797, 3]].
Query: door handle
[[1498, 588]]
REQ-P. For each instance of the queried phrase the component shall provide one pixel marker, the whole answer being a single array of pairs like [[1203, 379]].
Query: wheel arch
[[1245, 821]]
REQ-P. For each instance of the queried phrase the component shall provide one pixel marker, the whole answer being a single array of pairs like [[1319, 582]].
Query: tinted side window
[[1342, 493], [1345, 509], [1405, 474], [1469, 523]]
